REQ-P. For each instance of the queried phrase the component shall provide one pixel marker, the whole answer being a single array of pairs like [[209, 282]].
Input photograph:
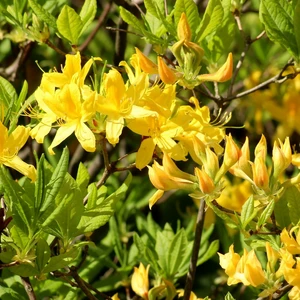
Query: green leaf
[[229, 296], [297, 28], [39, 185], [99, 213], [42, 13], [218, 43], [292, 196], [69, 24], [265, 215], [55, 183], [22, 95], [87, 13], [19, 237], [133, 21], [281, 211], [116, 239], [153, 6], [212, 19], [15, 196], [210, 252], [62, 260], [191, 11], [248, 212], [42, 254], [82, 177], [177, 252], [278, 19], [24, 270]]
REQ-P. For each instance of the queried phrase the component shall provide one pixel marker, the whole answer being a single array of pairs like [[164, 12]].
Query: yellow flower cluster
[[248, 269]]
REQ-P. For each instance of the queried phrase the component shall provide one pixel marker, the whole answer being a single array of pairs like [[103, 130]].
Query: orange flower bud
[[146, 64], [222, 75], [232, 152], [206, 184], [260, 173], [183, 29], [167, 75]]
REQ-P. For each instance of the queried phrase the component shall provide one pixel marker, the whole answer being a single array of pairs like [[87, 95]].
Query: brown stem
[[100, 22], [47, 42], [196, 247], [14, 263], [28, 288], [81, 284], [279, 293]]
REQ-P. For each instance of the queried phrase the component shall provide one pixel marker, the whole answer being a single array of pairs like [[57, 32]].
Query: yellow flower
[[9, 148], [290, 244], [72, 107], [140, 281], [166, 74], [246, 269], [294, 294], [71, 73], [119, 104]]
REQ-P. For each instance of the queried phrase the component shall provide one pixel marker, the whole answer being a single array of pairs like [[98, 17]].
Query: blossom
[[291, 244], [10, 144], [140, 281], [246, 269], [118, 102], [72, 72], [167, 177], [71, 107]]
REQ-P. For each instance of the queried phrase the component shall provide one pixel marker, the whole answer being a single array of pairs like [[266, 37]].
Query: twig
[[220, 207], [196, 247], [12, 264], [81, 284], [279, 293], [47, 42], [100, 22], [28, 288]]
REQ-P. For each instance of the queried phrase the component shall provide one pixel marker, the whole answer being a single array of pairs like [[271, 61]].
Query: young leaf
[[210, 252], [177, 252], [212, 19], [153, 6], [278, 18], [69, 24], [87, 13], [265, 215], [42, 13], [229, 296], [56, 181], [83, 177], [42, 254], [39, 185], [248, 212], [62, 260]]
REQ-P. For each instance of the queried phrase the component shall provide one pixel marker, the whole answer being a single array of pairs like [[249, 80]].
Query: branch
[[279, 293], [196, 247], [28, 288]]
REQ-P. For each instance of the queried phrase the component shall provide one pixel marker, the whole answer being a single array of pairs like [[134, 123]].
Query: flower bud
[[167, 75], [146, 64], [222, 75], [260, 173], [140, 281], [206, 184], [232, 152], [183, 29]]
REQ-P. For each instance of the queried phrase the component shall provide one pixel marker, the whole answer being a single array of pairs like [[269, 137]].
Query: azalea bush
[[149, 149]]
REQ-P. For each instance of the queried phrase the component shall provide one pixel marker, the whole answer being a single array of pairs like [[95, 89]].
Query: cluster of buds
[[189, 56], [207, 181], [265, 181]]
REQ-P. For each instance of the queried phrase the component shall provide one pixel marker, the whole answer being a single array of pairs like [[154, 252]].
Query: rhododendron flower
[[10, 144], [72, 72], [118, 103], [246, 269], [72, 107]]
